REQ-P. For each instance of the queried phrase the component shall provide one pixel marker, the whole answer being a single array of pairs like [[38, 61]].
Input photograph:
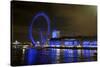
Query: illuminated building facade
[[56, 34]]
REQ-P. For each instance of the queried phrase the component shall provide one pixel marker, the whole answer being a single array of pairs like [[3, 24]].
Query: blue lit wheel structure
[[32, 53], [45, 16]]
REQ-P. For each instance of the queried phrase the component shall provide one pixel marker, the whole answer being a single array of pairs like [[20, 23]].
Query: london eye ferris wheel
[[39, 29]]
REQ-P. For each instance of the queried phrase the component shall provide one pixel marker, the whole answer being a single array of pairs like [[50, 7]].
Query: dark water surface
[[53, 56]]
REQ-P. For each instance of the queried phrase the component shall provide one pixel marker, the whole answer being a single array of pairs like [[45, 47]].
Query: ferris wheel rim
[[46, 17]]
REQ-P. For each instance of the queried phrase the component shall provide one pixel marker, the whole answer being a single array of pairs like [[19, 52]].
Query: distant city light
[[55, 34], [16, 42]]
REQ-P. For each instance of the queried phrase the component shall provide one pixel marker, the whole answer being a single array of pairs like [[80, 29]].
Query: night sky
[[69, 19]]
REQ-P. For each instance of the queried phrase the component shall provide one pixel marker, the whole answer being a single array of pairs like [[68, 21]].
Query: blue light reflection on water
[[67, 54], [53, 52], [86, 53], [30, 56], [43, 57], [51, 55]]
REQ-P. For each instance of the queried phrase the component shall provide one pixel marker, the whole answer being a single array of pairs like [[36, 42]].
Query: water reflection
[[52, 56], [69, 51]]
